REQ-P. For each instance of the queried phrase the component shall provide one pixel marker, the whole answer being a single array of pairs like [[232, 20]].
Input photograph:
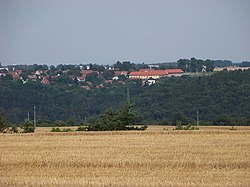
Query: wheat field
[[156, 157]]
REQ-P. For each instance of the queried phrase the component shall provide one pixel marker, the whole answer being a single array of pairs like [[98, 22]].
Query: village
[[98, 76], [86, 76]]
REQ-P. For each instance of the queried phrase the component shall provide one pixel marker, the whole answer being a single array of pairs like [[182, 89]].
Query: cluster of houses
[[148, 76]]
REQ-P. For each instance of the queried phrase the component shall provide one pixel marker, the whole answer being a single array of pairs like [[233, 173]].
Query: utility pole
[[197, 118], [28, 115], [35, 116]]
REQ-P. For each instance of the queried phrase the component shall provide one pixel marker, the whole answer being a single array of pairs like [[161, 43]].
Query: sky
[[105, 31]]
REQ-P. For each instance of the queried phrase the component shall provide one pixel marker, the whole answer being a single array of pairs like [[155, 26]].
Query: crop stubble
[[150, 158]]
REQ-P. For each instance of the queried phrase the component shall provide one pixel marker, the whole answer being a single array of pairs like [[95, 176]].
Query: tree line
[[221, 99]]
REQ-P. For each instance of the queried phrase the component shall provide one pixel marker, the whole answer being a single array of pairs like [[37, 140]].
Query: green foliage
[[178, 125], [124, 66], [109, 120], [59, 123], [244, 64], [123, 119], [195, 65], [67, 130], [82, 128], [94, 78], [27, 126], [56, 129], [126, 116], [223, 120], [165, 122], [71, 121], [108, 75], [224, 93], [63, 79], [179, 117]]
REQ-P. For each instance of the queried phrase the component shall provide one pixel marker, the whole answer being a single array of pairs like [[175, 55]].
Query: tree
[[124, 119], [25, 74], [183, 64], [126, 115], [122, 77], [107, 74], [109, 120], [60, 67], [27, 126], [195, 65], [94, 78], [52, 68], [221, 93], [223, 120], [244, 64], [64, 79], [180, 118]]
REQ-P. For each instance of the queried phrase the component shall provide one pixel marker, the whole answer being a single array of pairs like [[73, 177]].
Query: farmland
[[212, 156]]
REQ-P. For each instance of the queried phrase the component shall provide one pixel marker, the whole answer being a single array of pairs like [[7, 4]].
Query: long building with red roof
[[155, 74]]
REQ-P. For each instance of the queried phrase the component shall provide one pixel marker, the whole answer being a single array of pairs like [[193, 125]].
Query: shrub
[[27, 126], [56, 129], [189, 126], [81, 128], [124, 118], [179, 116]]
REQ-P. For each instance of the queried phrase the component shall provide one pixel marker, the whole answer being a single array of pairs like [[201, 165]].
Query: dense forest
[[221, 98]]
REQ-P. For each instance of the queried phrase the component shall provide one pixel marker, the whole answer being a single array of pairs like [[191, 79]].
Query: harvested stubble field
[[156, 157]]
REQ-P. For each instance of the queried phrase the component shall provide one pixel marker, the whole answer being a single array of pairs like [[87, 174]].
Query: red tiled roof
[[19, 71], [45, 80], [86, 72], [82, 78], [86, 87], [148, 73], [89, 83], [170, 71], [15, 75], [32, 76], [108, 81]]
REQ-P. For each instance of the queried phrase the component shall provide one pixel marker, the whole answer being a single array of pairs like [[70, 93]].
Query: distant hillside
[[224, 93]]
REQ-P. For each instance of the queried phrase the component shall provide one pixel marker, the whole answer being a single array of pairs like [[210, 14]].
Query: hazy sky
[[104, 31]]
